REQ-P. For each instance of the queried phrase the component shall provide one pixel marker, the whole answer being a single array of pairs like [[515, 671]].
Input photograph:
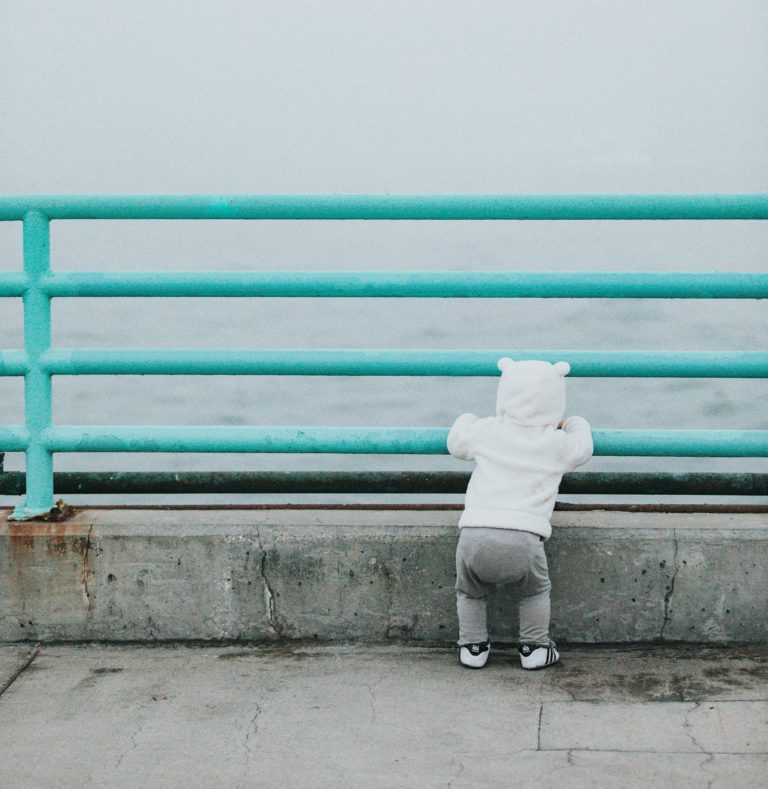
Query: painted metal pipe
[[682, 443], [387, 207], [382, 482], [644, 483], [37, 381], [382, 440], [13, 363], [13, 283], [13, 438], [389, 362], [411, 284], [373, 440]]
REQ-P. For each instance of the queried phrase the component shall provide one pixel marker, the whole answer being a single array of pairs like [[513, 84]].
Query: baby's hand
[[459, 437]]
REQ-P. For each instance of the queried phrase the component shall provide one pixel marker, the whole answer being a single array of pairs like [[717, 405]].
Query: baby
[[521, 455]]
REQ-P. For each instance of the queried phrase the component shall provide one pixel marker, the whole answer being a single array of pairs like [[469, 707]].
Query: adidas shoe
[[534, 656], [474, 655]]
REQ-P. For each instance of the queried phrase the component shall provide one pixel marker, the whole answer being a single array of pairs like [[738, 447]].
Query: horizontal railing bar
[[381, 440], [13, 362], [644, 483], [391, 441], [13, 438], [411, 284], [390, 362], [13, 283], [383, 482], [681, 443], [409, 207], [421, 441]]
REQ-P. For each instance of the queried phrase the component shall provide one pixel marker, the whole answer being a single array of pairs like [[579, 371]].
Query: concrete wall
[[370, 575]]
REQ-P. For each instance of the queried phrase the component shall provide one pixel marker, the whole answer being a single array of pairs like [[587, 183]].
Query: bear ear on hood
[[504, 363], [562, 368]]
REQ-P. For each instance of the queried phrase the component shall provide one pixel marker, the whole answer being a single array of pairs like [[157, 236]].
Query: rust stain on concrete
[[40, 548], [42, 529], [57, 539]]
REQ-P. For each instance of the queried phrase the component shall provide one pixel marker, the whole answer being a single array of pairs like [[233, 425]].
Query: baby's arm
[[459, 437], [579, 440]]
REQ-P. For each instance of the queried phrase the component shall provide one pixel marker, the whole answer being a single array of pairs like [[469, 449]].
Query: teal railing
[[39, 438]]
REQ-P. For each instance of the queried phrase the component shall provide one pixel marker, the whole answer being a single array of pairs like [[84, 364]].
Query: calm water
[[406, 323]]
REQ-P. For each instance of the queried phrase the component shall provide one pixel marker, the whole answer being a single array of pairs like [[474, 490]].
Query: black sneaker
[[534, 656], [474, 655]]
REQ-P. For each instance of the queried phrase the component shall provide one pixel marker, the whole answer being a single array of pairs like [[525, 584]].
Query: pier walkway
[[309, 715]]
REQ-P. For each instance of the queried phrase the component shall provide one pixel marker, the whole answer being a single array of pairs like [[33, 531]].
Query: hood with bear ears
[[532, 393]]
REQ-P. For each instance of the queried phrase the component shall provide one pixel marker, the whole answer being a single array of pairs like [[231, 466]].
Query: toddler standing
[[521, 455]]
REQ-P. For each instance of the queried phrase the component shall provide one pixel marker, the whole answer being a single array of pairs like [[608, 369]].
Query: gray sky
[[416, 96]]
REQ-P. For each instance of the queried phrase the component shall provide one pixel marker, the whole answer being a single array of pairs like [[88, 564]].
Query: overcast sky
[[415, 96]]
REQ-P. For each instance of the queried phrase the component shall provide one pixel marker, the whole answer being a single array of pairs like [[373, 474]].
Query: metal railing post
[[37, 381]]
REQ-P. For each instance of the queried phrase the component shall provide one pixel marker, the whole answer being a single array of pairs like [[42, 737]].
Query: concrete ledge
[[371, 576]]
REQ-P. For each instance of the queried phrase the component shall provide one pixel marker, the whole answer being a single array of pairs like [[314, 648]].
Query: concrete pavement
[[309, 715]]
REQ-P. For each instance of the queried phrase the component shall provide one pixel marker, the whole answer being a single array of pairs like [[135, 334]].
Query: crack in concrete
[[373, 696], [19, 671], [687, 727], [389, 586], [630, 750], [565, 768], [86, 572], [668, 595], [269, 596], [132, 738], [710, 758], [251, 731], [538, 731]]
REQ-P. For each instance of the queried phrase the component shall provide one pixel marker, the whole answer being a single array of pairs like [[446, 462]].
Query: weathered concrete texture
[[371, 575], [45, 578], [709, 727], [13, 660], [301, 715]]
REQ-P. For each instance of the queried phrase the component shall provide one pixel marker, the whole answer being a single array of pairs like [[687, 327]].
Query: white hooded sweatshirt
[[521, 454]]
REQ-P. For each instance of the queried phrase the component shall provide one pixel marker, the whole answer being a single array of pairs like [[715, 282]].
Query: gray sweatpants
[[485, 557]]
